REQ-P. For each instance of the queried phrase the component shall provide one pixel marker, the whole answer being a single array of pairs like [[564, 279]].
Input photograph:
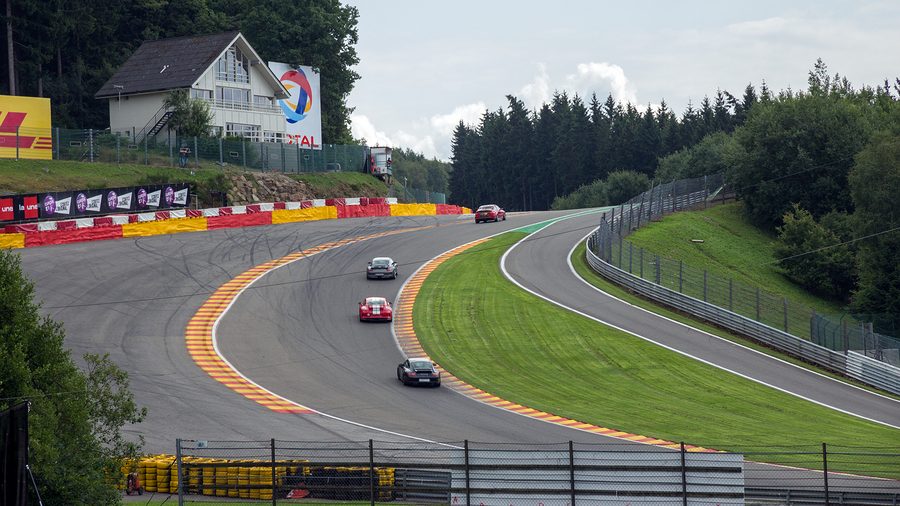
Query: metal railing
[[465, 472], [749, 311]]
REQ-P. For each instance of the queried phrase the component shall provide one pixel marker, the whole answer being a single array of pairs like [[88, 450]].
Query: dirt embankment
[[254, 187]]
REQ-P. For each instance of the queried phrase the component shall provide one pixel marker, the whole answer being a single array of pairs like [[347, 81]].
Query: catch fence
[[166, 150], [771, 319], [491, 474]]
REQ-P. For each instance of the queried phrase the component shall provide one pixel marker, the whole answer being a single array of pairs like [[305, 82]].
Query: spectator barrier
[[190, 220]]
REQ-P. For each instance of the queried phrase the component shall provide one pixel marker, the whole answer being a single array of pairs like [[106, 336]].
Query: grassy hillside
[[35, 176], [731, 248]]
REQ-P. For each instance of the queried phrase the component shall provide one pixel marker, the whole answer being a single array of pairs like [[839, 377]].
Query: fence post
[[681, 276], [171, 148], [90, 143], [705, 192], [630, 256], [177, 464], [642, 264], [674, 196], [197, 166], [58, 147], [757, 303], [371, 473], [221, 161], [658, 271], [146, 154], [619, 265], [731, 295], [272, 444], [282, 158], [118, 158], [244, 152], [468, 487], [825, 471], [683, 476], [704, 286], [572, 471], [784, 299]]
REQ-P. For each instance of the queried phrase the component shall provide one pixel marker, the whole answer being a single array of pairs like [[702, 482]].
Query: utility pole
[[9, 45]]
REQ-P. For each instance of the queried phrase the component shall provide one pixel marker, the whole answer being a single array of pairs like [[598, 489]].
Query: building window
[[261, 100], [233, 66], [233, 98], [273, 137], [205, 94], [237, 130]]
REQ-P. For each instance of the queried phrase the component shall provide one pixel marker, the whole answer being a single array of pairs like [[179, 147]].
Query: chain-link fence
[[167, 150], [747, 301], [852, 332], [196, 152], [489, 474]]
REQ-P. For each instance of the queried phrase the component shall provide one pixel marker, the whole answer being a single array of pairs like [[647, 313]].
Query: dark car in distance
[[489, 212], [382, 267], [419, 371]]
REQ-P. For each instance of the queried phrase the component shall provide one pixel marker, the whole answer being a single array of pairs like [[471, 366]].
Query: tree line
[[819, 168], [524, 159], [66, 50]]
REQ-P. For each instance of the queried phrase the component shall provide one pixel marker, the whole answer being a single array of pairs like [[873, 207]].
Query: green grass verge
[[731, 248], [499, 338]]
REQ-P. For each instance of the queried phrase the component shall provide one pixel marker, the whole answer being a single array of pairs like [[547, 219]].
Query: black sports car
[[419, 371]]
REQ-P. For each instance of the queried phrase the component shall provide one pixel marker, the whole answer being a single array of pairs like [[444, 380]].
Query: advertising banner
[[302, 111], [25, 128], [89, 203]]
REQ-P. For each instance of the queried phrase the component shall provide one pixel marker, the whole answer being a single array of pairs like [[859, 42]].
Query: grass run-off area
[[731, 249], [505, 341]]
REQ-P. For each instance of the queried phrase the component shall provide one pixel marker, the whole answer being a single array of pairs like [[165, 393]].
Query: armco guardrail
[[604, 243], [471, 473]]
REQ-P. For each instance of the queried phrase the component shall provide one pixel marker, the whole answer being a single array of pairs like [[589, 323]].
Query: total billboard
[[25, 128], [302, 111]]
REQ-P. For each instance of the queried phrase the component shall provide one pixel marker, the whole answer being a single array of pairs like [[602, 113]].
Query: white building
[[222, 68]]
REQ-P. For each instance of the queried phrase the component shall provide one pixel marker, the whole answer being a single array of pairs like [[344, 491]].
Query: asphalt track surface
[[296, 330]]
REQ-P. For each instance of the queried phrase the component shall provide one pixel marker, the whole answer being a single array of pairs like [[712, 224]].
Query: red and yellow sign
[[25, 128]]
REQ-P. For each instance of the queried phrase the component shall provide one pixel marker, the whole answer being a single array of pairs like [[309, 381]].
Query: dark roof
[[166, 64]]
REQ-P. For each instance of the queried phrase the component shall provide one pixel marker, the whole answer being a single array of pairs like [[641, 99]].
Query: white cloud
[[599, 77], [362, 128], [444, 124], [536, 94]]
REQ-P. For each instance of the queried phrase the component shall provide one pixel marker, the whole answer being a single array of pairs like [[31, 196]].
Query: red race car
[[376, 308], [489, 212]]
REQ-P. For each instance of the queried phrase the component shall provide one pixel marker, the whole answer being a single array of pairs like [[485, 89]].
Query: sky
[[426, 65]]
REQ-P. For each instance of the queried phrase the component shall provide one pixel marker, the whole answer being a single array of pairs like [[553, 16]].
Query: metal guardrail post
[[371, 473], [468, 487], [178, 470], [572, 472], [825, 471], [683, 477], [274, 495]]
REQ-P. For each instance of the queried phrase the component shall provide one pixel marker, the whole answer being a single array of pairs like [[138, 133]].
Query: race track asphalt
[[296, 330]]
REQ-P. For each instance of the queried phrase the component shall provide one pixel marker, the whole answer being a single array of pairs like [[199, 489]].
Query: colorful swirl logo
[[295, 81]]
